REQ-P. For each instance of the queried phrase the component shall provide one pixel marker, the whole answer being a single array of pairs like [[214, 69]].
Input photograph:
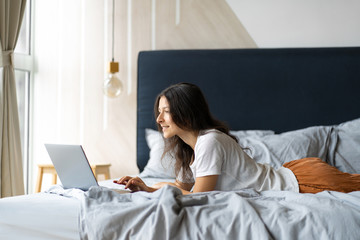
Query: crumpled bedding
[[245, 214]]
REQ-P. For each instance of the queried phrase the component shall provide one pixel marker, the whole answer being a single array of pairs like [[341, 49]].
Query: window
[[22, 80], [23, 74], [23, 43]]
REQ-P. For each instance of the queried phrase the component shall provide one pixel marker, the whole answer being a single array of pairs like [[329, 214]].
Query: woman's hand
[[135, 184]]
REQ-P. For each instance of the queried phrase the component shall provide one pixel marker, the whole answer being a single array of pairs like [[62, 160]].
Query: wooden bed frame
[[269, 89]]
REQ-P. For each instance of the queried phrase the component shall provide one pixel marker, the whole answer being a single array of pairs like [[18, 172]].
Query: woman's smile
[[165, 119], [164, 127]]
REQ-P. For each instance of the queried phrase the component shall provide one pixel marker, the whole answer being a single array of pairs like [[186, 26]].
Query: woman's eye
[[163, 111]]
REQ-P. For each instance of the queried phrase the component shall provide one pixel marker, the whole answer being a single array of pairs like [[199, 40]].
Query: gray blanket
[[246, 214]]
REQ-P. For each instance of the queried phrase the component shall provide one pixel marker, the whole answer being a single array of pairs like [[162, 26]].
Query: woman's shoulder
[[213, 136], [208, 131], [211, 132]]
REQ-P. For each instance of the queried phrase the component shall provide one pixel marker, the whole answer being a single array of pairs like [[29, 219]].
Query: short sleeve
[[209, 156]]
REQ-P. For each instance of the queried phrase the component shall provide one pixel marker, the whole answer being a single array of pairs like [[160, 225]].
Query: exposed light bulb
[[112, 84]]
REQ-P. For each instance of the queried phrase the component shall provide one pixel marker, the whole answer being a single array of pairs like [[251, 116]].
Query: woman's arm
[[202, 184], [184, 187], [205, 184], [178, 184]]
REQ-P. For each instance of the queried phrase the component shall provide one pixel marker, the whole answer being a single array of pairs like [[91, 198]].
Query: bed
[[281, 104]]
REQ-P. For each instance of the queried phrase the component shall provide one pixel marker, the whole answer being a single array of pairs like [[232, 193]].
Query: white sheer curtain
[[11, 174]]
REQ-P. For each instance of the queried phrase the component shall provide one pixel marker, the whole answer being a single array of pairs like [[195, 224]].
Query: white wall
[[72, 47], [300, 23], [71, 51]]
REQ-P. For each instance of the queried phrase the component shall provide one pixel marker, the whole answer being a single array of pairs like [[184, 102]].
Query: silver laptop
[[72, 166]]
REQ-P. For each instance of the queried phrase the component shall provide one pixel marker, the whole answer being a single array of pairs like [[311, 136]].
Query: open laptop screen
[[72, 166]]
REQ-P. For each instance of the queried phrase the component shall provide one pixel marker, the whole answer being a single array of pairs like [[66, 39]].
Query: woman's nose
[[159, 119]]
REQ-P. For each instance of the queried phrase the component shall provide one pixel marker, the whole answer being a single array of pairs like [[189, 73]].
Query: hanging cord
[[113, 16]]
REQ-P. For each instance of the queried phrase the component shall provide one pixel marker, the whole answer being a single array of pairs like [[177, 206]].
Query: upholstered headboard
[[277, 89]]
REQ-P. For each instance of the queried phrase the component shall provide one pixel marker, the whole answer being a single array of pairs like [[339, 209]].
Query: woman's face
[[169, 128]]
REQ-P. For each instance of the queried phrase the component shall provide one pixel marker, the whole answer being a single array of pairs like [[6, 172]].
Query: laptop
[[72, 167]]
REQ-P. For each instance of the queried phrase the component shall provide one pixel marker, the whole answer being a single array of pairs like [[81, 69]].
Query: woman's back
[[217, 153]]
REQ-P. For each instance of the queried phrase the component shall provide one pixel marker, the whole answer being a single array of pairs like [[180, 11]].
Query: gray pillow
[[346, 155], [251, 133], [278, 149]]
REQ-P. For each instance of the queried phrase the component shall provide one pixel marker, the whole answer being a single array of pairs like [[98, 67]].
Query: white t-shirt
[[216, 153]]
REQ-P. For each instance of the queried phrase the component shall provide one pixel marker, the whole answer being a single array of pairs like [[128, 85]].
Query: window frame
[[25, 62]]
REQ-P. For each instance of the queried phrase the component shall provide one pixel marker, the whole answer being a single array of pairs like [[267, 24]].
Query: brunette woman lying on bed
[[208, 158]]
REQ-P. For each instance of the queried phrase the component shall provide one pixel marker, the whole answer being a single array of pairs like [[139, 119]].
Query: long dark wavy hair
[[189, 110]]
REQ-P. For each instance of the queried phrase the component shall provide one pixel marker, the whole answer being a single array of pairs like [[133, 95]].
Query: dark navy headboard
[[277, 89]]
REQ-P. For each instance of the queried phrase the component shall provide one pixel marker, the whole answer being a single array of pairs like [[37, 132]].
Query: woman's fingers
[[129, 183], [133, 183], [123, 180]]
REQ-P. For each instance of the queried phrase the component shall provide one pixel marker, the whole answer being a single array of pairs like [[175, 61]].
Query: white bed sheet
[[39, 216], [45, 215], [52, 216]]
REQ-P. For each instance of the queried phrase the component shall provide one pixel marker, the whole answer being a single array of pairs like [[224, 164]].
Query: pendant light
[[112, 84]]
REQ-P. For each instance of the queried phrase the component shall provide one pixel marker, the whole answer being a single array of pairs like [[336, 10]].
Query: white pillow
[[157, 167], [277, 149], [346, 155], [165, 168]]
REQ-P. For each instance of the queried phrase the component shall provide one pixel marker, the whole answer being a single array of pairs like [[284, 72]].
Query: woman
[[208, 158]]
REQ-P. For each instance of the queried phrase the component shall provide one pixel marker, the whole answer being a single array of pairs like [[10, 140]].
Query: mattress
[[47, 215]]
